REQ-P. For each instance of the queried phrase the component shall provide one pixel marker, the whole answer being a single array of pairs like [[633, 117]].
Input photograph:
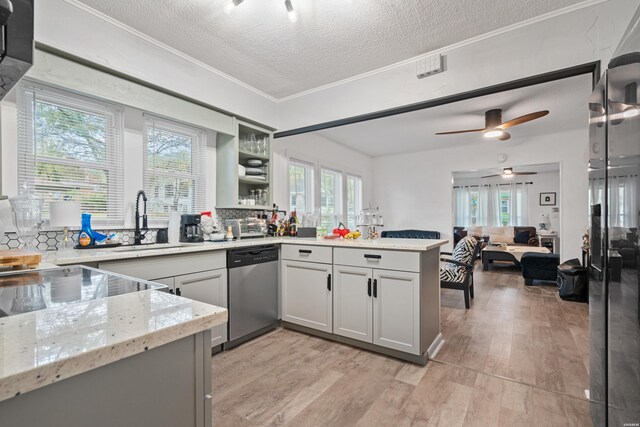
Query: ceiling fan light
[[494, 133], [630, 112], [507, 171]]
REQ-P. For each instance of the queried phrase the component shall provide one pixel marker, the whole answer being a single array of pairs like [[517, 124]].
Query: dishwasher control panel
[[253, 255]]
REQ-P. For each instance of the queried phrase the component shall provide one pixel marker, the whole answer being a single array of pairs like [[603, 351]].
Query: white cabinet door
[[352, 305], [209, 287], [306, 294], [396, 310]]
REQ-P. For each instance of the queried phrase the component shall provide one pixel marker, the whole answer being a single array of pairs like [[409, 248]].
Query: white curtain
[[519, 205], [623, 206], [495, 217], [630, 203], [485, 206], [461, 206]]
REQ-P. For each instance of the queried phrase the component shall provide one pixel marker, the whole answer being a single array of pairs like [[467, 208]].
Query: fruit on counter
[[341, 230], [353, 235]]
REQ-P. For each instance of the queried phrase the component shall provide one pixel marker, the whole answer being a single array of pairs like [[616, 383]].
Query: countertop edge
[[79, 363]]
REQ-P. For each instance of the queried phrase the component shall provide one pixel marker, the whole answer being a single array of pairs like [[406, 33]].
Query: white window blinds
[[174, 167], [70, 148]]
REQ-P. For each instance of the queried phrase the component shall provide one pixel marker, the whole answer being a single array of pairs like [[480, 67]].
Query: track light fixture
[[230, 6]]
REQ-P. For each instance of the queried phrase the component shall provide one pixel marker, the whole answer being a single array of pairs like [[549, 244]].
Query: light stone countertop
[[42, 347], [82, 256]]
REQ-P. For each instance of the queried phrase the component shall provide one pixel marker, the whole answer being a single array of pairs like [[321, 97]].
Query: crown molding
[[159, 44]]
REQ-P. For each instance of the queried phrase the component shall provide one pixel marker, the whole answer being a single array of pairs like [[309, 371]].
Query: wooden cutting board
[[19, 258]]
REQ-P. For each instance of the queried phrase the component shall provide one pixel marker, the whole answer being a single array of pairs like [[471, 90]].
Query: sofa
[[531, 238], [625, 241], [537, 266]]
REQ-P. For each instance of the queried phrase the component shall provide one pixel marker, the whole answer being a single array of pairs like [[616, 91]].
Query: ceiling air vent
[[429, 65]]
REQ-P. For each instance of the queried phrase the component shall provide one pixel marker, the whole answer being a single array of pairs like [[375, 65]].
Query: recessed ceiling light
[[631, 112]]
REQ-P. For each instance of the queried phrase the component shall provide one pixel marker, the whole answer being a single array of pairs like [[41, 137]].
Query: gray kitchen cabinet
[[352, 302], [200, 277], [307, 294], [396, 310]]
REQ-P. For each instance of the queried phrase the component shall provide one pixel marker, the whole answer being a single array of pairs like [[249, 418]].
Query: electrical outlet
[[429, 65]]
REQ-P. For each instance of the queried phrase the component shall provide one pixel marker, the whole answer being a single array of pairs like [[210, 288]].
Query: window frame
[[309, 185], [113, 166], [358, 205], [339, 200], [198, 159]]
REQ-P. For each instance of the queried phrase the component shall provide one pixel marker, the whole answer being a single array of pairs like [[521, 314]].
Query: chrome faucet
[[138, 234]]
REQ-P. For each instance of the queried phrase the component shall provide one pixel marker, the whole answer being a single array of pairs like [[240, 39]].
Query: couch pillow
[[475, 231], [500, 238], [522, 237], [618, 233]]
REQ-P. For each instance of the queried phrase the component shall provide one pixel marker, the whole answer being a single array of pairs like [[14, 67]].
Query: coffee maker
[[190, 228]]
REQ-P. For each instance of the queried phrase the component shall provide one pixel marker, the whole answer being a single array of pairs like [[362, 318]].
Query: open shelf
[[244, 155], [252, 181], [247, 207]]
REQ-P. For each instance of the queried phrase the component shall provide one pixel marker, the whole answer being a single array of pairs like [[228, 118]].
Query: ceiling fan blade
[[523, 119], [505, 136], [460, 131], [491, 176], [525, 173]]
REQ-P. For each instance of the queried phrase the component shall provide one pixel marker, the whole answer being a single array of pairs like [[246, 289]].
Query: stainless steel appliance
[[190, 228], [16, 41], [614, 262], [253, 292], [247, 227]]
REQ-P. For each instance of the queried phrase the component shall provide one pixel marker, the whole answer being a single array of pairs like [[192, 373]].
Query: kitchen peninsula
[[113, 345], [382, 294]]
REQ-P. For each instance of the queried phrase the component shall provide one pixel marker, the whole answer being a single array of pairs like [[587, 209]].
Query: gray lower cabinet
[[380, 307], [206, 286], [199, 276], [167, 386], [306, 294]]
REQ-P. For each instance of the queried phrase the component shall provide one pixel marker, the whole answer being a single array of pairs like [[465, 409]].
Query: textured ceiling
[[332, 39], [565, 99]]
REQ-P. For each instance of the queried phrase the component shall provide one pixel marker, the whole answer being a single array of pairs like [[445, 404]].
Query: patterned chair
[[456, 270]]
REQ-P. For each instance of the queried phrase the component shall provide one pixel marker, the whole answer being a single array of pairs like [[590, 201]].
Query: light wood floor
[[502, 364]]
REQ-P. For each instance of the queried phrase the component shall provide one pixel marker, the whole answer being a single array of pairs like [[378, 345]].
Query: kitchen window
[[354, 200], [330, 198], [174, 167], [70, 148], [300, 187]]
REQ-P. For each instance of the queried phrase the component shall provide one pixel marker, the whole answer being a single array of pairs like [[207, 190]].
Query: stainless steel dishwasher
[[253, 292]]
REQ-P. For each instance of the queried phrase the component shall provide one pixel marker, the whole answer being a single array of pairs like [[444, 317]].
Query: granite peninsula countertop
[[126, 252], [42, 347]]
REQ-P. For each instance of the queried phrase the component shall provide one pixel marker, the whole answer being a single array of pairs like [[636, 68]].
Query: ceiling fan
[[495, 128], [508, 172]]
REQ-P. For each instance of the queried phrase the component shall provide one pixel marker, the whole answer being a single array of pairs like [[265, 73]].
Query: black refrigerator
[[614, 266]]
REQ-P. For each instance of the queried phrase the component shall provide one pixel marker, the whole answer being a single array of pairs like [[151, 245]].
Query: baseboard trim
[[435, 346]]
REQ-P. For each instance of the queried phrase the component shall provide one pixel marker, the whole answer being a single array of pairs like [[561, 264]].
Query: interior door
[[209, 287], [352, 302], [396, 310]]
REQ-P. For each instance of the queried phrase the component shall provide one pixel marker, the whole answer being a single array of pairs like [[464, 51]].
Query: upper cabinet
[[244, 168]]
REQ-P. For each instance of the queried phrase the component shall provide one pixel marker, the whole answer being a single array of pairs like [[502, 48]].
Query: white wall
[[320, 151], [414, 190], [543, 182], [578, 37], [65, 25]]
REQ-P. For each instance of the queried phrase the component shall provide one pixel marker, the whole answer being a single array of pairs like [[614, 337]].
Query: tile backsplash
[[48, 240]]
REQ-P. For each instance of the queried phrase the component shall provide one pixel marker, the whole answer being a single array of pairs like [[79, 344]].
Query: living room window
[[70, 148], [330, 198], [354, 200]]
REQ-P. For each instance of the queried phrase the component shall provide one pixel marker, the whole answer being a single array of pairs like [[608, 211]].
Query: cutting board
[[19, 258]]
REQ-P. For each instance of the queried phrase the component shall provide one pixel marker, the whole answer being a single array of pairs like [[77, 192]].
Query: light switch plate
[[429, 65]]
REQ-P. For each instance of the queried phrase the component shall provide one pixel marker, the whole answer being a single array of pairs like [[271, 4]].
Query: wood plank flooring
[[517, 357]]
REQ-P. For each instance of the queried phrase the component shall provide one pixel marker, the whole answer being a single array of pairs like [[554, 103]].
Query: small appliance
[[247, 227], [190, 228]]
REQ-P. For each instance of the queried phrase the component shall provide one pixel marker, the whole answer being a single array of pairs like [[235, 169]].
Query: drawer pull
[[371, 256], [304, 251], [369, 286]]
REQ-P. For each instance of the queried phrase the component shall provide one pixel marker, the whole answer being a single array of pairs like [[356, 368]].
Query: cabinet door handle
[[375, 288], [369, 286], [371, 256], [304, 251], [328, 282], [178, 292], [171, 291]]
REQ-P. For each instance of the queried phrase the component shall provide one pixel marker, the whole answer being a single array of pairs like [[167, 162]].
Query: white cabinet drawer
[[373, 258], [168, 265], [309, 253]]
